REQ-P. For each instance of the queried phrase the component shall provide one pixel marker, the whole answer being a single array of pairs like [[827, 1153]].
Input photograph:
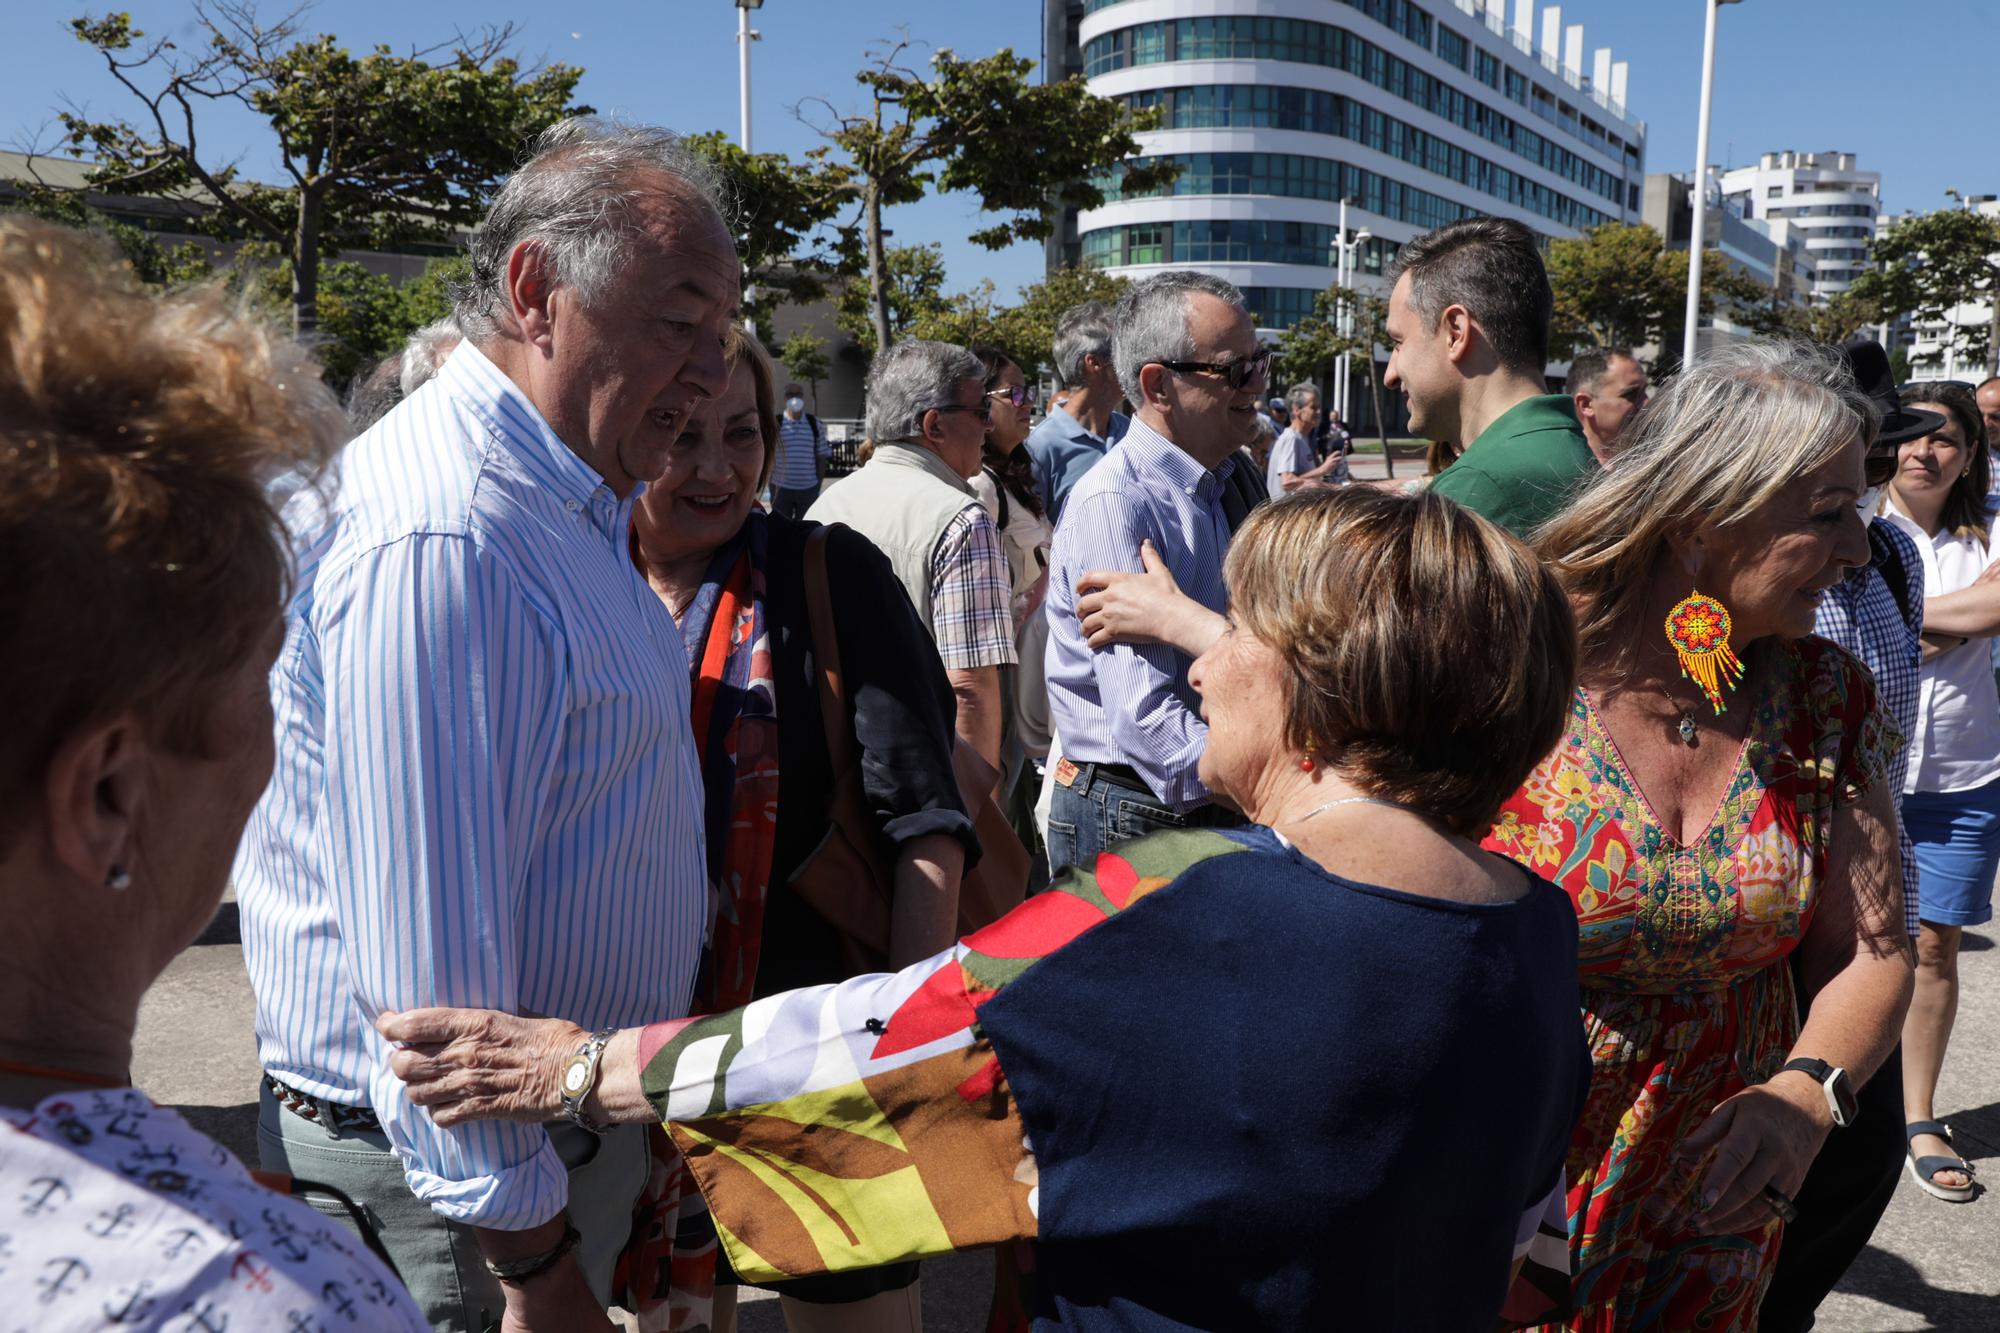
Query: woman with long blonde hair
[[1718, 800]]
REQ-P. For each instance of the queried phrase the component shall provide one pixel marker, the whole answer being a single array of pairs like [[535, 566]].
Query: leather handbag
[[846, 879]]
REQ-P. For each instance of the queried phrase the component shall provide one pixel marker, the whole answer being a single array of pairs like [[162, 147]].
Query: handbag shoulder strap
[[826, 647]]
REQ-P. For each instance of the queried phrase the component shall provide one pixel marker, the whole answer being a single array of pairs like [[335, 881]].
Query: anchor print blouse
[[114, 1213]]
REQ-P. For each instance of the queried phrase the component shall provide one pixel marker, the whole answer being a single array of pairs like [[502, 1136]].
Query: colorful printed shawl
[[669, 1266], [848, 1126]]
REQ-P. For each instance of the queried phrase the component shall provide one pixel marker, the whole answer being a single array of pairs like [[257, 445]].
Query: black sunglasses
[[1021, 395], [984, 411], [1238, 374]]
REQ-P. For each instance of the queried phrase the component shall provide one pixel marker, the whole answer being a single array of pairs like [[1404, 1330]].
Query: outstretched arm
[[1119, 606]]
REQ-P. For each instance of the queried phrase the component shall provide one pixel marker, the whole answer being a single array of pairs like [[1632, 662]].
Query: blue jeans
[[1094, 813], [789, 503]]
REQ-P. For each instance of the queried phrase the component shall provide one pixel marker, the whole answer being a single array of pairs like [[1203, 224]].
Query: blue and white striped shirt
[[1131, 704], [486, 790], [801, 444]]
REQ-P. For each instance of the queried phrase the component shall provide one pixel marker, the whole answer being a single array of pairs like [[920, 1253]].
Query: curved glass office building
[[1275, 110]]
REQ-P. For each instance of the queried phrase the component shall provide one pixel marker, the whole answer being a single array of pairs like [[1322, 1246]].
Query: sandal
[[1922, 1169]]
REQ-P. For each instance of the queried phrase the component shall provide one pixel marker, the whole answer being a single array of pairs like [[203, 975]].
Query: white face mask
[[1870, 503], [795, 404]]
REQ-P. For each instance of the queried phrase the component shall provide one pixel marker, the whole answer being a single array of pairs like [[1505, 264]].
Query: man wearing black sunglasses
[[1187, 354]]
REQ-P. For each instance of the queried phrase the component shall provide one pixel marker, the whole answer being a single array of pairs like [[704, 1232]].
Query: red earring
[[1306, 764]]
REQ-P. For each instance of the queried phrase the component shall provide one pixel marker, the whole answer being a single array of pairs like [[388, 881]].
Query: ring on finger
[[1782, 1205]]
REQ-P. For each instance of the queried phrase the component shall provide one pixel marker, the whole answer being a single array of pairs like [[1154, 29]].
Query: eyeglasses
[[1021, 395], [984, 411], [1238, 374]]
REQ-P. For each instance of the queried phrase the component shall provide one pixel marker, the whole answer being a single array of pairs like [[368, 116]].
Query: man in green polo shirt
[[1468, 338]]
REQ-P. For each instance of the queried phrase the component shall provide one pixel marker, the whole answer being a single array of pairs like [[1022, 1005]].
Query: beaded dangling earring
[[1698, 628], [1306, 764]]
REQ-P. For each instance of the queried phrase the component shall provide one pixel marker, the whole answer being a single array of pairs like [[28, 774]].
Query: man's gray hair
[[910, 379], [574, 194], [1082, 330], [427, 350], [1300, 394], [1151, 323]]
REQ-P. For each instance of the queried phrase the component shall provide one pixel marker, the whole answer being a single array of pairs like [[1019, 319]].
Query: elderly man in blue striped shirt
[[1187, 353], [486, 790]]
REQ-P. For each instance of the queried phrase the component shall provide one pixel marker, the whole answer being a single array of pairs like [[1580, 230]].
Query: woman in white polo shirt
[[1951, 804]]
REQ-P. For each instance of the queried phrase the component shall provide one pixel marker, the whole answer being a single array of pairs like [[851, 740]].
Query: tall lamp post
[[745, 34], [1699, 238], [1343, 319]]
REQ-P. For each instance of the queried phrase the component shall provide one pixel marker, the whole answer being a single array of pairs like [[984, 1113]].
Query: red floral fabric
[[1686, 997]]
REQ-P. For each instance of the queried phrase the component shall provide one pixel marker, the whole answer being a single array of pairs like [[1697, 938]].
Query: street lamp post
[[1699, 238], [1343, 318], [745, 35]]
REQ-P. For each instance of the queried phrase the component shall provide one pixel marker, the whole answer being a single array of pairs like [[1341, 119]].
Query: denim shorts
[[1957, 839]]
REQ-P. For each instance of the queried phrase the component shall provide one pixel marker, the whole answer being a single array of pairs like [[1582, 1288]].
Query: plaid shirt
[[972, 594], [1861, 615]]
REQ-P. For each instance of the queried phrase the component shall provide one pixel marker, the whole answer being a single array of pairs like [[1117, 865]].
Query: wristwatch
[[1833, 1081], [579, 1079]]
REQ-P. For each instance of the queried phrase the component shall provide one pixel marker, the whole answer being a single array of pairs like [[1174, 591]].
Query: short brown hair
[[1493, 267], [139, 439], [740, 344], [1432, 656]]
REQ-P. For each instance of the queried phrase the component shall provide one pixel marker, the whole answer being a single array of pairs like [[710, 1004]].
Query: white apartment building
[[1276, 110], [1931, 356], [1825, 198]]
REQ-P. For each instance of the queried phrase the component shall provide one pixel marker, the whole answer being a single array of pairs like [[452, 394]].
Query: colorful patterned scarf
[[668, 1269]]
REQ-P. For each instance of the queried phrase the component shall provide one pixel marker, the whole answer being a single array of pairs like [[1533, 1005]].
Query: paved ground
[[1932, 1265]]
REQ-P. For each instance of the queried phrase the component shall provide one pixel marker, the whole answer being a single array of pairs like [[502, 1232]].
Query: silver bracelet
[[579, 1079]]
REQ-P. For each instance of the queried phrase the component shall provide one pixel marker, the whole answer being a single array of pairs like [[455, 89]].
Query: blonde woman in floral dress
[[1703, 835]]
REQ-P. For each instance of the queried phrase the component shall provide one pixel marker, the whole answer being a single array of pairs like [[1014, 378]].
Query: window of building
[[1306, 42], [1770, 192], [1452, 48]]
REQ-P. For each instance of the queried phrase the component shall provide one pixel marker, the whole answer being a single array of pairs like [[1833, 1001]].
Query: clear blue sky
[[1912, 86]]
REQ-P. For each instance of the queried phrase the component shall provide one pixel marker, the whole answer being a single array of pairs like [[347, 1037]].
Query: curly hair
[[140, 440]]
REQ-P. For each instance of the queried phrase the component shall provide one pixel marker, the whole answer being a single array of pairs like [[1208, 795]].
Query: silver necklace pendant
[[1686, 727]]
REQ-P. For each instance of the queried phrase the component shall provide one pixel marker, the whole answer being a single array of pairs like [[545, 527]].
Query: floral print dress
[[1686, 996]]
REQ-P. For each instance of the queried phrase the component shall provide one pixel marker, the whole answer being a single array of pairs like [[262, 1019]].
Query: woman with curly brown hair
[[140, 612]]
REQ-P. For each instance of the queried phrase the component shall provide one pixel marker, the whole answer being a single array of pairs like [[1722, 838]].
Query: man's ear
[[92, 797], [1455, 326], [530, 290], [1152, 384]]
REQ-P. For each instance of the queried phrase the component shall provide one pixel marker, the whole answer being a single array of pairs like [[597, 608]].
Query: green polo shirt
[[1525, 468]]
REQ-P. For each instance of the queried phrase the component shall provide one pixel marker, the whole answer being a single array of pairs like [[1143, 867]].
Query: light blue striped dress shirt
[[486, 791], [1131, 704]]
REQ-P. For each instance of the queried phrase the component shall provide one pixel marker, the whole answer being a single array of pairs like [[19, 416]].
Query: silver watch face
[[574, 1076]]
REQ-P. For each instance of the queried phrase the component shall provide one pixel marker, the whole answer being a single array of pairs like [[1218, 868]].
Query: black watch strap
[[1817, 1070], [1834, 1082]]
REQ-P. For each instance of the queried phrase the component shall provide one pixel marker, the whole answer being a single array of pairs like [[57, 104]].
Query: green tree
[[376, 150], [1026, 330], [1832, 320], [804, 355], [1026, 150], [363, 315], [152, 263], [1310, 348], [911, 287], [1617, 285], [782, 210], [1934, 262]]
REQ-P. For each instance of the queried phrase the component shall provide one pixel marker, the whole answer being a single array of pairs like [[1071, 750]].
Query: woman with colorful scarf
[[1318, 1072], [733, 576]]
